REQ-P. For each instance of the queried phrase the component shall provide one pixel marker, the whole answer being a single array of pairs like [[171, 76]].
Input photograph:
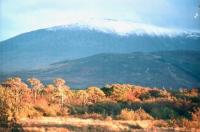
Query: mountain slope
[[172, 69], [38, 49]]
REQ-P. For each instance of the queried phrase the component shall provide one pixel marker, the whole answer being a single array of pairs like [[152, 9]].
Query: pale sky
[[19, 16]]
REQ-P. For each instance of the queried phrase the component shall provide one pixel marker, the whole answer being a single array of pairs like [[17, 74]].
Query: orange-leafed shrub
[[188, 123], [194, 92], [41, 101], [80, 98], [14, 99], [196, 115], [95, 94], [193, 123], [49, 89], [155, 95], [120, 92], [139, 114], [126, 92], [50, 109]]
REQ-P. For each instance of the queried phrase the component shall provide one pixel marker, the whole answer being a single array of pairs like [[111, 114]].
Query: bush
[[51, 110], [145, 96], [105, 109], [188, 123], [78, 109], [95, 94], [5, 112], [196, 114], [163, 113], [107, 91], [120, 91], [13, 103], [139, 114]]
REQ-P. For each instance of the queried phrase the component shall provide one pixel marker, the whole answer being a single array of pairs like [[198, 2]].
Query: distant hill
[[171, 69], [38, 49]]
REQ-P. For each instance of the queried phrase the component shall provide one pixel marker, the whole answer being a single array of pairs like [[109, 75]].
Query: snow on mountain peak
[[125, 28]]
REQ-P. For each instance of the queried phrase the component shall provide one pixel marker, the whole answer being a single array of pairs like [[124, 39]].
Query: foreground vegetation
[[115, 105]]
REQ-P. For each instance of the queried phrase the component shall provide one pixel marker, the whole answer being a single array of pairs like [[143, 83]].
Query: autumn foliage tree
[[61, 89], [120, 92], [95, 94], [49, 92], [4, 106], [14, 96], [36, 86], [82, 97]]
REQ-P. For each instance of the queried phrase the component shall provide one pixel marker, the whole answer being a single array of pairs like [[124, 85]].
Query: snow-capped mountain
[[40, 48]]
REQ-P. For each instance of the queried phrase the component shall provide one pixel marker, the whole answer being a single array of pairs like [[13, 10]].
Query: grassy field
[[66, 124]]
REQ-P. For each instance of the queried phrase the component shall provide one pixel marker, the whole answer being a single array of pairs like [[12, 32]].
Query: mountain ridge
[[171, 69], [43, 47]]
